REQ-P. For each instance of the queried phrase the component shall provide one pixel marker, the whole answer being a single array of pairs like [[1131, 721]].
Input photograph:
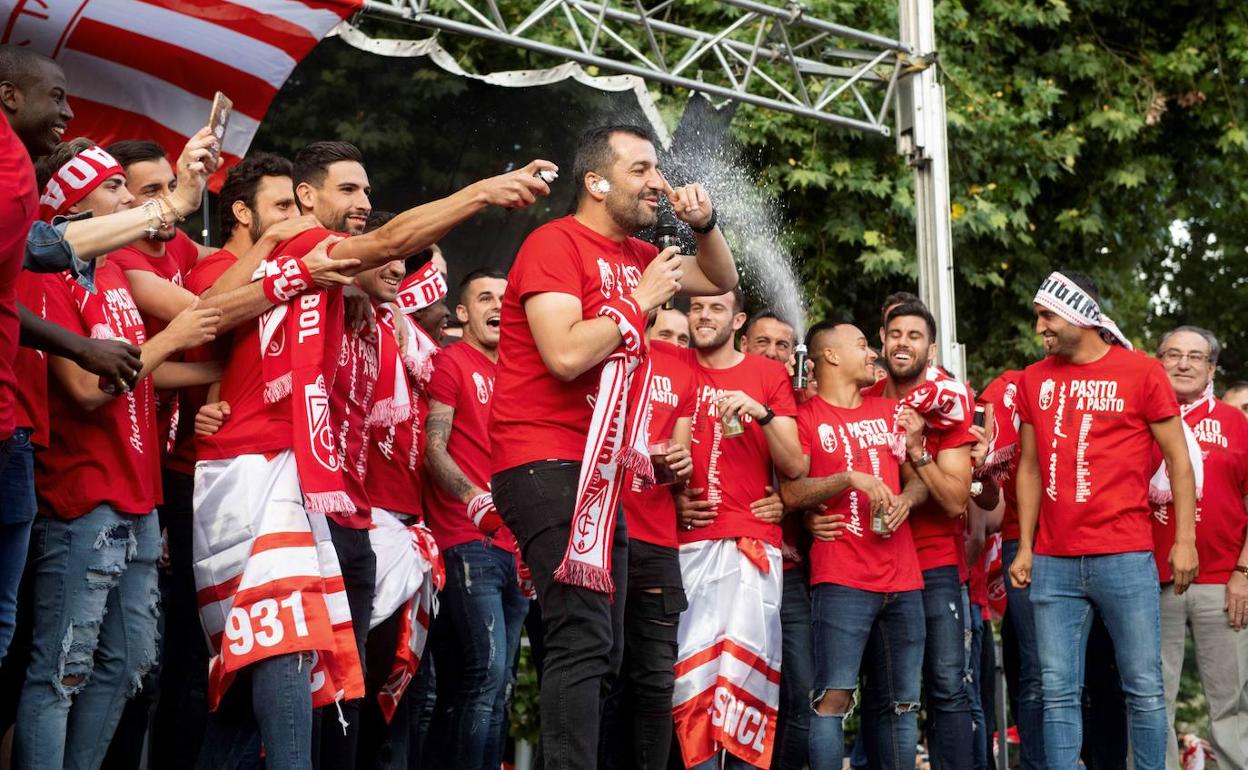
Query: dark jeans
[[1029, 698], [881, 635], [584, 628], [983, 676], [182, 708], [339, 744], [796, 676], [637, 723], [946, 675], [17, 511], [485, 608]]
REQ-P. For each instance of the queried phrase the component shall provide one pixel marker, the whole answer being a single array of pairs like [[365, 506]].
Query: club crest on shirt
[[483, 388], [827, 438], [316, 405], [617, 277], [1046, 394]]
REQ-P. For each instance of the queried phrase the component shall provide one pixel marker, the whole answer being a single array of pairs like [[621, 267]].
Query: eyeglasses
[[1174, 356]]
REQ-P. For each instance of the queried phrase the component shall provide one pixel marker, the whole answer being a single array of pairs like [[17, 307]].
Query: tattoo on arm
[[438, 461]]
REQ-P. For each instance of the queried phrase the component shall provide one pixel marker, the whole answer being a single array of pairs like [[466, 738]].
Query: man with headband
[[1091, 412], [95, 546], [570, 373]]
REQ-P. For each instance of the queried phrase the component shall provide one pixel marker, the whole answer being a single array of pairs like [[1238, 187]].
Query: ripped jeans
[[882, 635], [485, 609], [94, 634]]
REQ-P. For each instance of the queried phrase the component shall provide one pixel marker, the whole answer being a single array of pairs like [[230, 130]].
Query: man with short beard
[[730, 540], [767, 334], [275, 464], [1215, 607], [483, 606], [938, 449], [1091, 412], [572, 324]]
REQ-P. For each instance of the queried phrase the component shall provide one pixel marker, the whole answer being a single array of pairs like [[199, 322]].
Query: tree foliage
[[1108, 136]]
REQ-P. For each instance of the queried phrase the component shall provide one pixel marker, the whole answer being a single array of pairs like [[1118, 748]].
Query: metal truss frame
[[779, 58]]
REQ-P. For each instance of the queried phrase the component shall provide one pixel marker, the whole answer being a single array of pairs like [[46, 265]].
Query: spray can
[[799, 366]]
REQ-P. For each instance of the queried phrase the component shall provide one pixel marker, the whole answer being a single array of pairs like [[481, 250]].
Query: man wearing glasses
[[1216, 605]]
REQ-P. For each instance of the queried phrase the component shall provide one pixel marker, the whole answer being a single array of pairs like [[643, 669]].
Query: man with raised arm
[[564, 423], [1091, 411]]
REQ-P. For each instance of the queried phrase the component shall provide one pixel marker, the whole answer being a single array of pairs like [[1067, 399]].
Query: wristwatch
[[926, 459], [767, 417], [1242, 569], [710, 224]]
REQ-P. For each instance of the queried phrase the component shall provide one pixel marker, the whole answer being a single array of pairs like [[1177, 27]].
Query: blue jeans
[[946, 669], [274, 695], [1123, 587], [796, 677], [94, 634], [1030, 698], [883, 635], [982, 729], [17, 511], [483, 603]]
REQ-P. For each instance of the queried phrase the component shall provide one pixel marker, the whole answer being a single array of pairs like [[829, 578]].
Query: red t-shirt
[[31, 365], [255, 427], [541, 417], [651, 513], [839, 440], [939, 538], [463, 379], [350, 401], [1094, 449], [396, 457], [109, 454], [180, 256], [19, 205], [735, 470], [1221, 521], [1009, 520]]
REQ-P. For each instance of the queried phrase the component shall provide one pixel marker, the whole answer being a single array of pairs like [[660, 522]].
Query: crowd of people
[[260, 505]]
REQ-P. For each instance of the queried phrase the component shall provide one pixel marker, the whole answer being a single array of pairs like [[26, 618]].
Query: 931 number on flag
[[262, 623]]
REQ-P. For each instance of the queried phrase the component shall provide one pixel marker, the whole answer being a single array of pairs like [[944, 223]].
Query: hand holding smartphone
[[218, 119]]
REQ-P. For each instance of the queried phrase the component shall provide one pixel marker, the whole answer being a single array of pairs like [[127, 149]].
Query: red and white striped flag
[[148, 69]]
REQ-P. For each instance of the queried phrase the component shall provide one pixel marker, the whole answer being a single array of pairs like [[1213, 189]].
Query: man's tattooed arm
[[438, 461]]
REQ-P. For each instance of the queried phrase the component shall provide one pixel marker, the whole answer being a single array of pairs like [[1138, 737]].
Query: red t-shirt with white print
[[108, 455], [1094, 448], [651, 513], [1221, 518], [535, 416], [350, 401], [840, 440], [735, 470], [463, 379]]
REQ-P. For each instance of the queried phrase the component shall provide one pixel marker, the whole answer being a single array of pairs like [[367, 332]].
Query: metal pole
[[921, 138], [205, 233]]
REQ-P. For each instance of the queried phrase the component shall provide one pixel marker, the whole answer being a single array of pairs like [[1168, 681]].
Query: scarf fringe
[[628, 457], [997, 463], [897, 446], [329, 502], [579, 573], [1159, 496], [278, 389], [386, 414]]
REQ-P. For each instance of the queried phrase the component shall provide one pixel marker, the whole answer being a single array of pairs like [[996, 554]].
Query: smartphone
[[219, 118], [979, 416]]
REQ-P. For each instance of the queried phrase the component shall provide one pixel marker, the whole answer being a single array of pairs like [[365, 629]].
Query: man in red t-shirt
[[1215, 606], [731, 532], [1091, 412], [638, 720], [282, 443], [866, 578], [940, 454], [97, 482], [572, 325], [482, 588]]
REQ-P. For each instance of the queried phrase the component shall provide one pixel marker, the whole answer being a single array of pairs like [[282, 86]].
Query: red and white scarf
[[616, 442], [293, 337], [392, 397], [410, 572], [75, 180], [1003, 442], [1159, 490], [941, 400], [421, 289]]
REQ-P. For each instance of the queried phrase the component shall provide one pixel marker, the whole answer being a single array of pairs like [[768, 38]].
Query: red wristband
[[285, 278], [627, 315]]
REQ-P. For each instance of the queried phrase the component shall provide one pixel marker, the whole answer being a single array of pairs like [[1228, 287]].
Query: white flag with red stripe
[[727, 688], [148, 69]]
